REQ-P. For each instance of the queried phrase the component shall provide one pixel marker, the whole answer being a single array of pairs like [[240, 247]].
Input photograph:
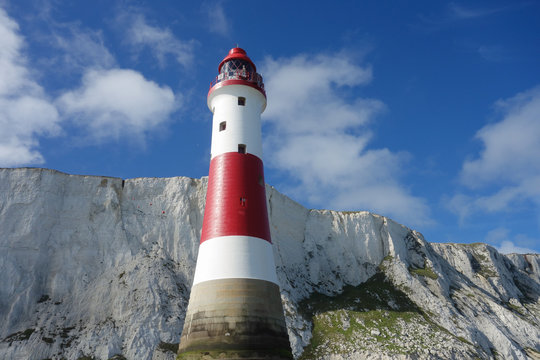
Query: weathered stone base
[[235, 319], [233, 355]]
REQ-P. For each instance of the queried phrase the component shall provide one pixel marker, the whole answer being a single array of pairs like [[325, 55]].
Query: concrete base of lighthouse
[[235, 319]]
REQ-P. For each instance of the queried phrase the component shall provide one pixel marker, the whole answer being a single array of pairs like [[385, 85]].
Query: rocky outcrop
[[102, 267]]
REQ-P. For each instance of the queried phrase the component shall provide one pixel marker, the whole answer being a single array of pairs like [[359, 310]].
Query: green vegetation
[[334, 331], [20, 336], [495, 353], [168, 347], [462, 339], [383, 265], [372, 317], [515, 308], [487, 272], [118, 357], [373, 312], [481, 264], [425, 271], [375, 294]]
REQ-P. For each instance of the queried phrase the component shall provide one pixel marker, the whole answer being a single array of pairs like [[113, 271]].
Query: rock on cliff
[[100, 267]]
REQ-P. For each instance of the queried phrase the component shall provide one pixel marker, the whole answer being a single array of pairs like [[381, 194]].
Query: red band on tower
[[236, 198]]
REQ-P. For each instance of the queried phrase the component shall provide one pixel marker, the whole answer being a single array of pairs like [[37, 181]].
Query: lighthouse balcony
[[250, 78]]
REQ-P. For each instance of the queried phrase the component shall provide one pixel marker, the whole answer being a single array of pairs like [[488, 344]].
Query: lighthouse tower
[[235, 309]]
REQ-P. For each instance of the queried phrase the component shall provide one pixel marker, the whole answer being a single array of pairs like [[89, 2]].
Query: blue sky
[[426, 112]]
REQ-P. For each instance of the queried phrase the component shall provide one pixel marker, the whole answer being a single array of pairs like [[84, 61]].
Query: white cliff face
[[101, 267], [98, 265]]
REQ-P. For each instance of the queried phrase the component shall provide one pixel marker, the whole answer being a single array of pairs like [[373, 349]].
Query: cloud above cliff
[[510, 147], [506, 242], [78, 48], [505, 174], [114, 103], [160, 41], [26, 113], [319, 136], [110, 104]]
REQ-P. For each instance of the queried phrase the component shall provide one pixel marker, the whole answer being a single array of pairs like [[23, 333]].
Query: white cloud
[[111, 104], [508, 247], [507, 244], [70, 46], [217, 19], [496, 236], [507, 169], [318, 136], [504, 199], [510, 146], [13, 71], [161, 41], [461, 12], [80, 49], [25, 112]]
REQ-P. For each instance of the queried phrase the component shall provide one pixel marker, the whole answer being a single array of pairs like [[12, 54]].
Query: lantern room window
[[237, 65]]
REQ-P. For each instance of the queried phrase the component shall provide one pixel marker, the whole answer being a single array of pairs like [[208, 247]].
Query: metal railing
[[251, 77]]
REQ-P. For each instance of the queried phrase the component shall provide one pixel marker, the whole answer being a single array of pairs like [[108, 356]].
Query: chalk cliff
[[100, 267]]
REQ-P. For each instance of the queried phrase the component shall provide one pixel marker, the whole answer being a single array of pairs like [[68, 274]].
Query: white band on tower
[[233, 257], [229, 127]]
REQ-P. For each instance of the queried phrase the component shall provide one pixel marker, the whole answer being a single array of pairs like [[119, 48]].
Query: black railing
[[251, 77]]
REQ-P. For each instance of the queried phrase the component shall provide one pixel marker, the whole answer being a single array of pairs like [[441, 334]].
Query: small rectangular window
[[222, 125], [242, 148], [241, 101], [243, 202]]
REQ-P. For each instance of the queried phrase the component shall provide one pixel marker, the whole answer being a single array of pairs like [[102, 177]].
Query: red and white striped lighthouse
[[235, 309]]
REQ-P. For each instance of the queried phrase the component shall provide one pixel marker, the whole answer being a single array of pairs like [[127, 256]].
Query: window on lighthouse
[[242, 148], [241, 101], [236, 66], [222, 125]]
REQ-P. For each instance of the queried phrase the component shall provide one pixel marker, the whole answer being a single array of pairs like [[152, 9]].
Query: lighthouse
[[235, 309]]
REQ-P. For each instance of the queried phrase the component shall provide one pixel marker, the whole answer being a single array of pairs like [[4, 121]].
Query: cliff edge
[[100, 267]]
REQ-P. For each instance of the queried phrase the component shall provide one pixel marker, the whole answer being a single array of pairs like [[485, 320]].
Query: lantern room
[[237, 69], [236, 60]]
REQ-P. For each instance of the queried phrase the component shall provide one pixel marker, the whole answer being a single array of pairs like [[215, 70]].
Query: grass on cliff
[[371, 312], [425, 272], [374, 316]]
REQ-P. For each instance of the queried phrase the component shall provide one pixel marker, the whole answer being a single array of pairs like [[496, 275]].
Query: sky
[[426, 112]]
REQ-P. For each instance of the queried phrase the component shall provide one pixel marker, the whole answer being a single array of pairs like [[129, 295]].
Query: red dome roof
[[236, 53]]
